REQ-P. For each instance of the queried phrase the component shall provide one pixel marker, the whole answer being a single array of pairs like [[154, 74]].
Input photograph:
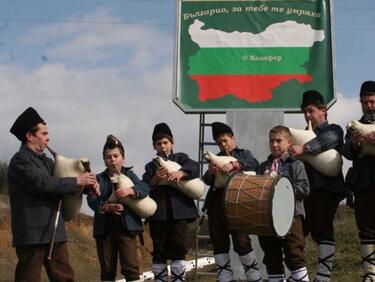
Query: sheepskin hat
[[367, 88], [219, 128], [312, 97], [24, 122], [161, 130]]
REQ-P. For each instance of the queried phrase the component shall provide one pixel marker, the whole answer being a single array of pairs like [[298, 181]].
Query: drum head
[[283, 205]]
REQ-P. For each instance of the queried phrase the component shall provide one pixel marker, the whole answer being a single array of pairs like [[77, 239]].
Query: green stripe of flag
[[288, 60]]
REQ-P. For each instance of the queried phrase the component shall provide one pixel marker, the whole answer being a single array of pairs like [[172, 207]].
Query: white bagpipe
[[219, 161], [65, 167], [328, 163], [193, 188], [69, 205], [144, 207], [364, 129]]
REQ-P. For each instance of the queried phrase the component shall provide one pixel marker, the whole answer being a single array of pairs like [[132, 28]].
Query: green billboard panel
[[234, 55]]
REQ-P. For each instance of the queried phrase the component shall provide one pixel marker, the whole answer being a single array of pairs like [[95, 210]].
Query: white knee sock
[[299, 275], [160, 271], [250, 265], [368, 260], [326, 252], [178, 268], [224, 272], [276, 277]]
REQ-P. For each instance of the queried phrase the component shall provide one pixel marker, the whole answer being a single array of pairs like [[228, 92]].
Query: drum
[[261, 205]]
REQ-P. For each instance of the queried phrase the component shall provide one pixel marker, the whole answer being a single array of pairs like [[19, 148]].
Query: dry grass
[[84, 259]]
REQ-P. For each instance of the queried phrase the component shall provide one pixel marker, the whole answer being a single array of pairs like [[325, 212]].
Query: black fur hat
[[367, 88], [25, 121], [161, 130], [219, 128], [312, 97]]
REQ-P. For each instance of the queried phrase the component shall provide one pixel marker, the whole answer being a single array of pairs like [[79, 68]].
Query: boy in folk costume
[[325, 192], [362, 182], [116, 226], [168, 226], [214, 203], [291, 247]]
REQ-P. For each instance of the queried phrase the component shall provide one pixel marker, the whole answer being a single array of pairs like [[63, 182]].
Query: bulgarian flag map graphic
[[252, 54]]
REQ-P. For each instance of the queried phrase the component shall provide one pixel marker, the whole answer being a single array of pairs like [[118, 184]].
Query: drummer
[[34, 198], [218, 228], [290, 247]]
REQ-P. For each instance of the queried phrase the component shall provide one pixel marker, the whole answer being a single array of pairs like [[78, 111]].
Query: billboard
[[246, 54]]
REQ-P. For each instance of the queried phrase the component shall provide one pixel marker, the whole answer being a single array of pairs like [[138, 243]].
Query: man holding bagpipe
[[361, 178], [35, 199]]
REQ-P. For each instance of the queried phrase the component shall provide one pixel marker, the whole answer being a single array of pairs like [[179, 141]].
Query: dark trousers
[[320, 207], [32, 257], [292, 246], [117, 243], [219, 231], [365, 214], [169, 239]]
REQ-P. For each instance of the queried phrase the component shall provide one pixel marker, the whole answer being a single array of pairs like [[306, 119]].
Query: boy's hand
[[96, 188], [114, 208], [212, 168], [296, 150], [162, 173], [176, 176], [232, 166], [225, 169]]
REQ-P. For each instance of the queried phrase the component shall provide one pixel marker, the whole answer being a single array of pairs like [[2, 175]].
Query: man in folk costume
[[325, 192], [362, 181], [34, 198], [175, 210], [214, 203]]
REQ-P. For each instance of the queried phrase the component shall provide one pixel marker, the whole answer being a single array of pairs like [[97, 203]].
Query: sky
[[93, 68]]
